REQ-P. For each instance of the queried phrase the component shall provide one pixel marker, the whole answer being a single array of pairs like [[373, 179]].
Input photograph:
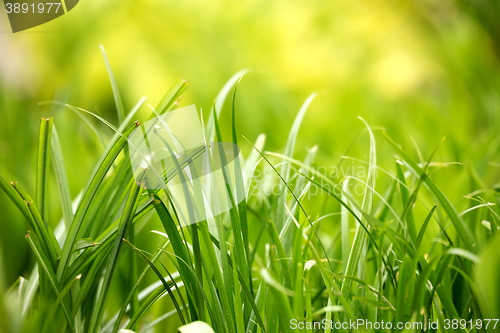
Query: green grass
[[398, 251]]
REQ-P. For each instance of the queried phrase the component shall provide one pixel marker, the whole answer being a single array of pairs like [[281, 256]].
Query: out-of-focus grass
[[397, 63], [388, 247]]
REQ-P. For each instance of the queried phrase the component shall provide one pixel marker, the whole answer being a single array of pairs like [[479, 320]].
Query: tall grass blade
[[219, 102], [152, 299], [405, 195], [160, 276], [131, 294], [62, 179], [241, 256], [46, 268], [358, 251], [421, 233], [280, 297], [173, 94], [113, 257], [50, 317], [114, 86], [15, 198], [87, 198], [460, 226], [285, 169], [43, 167], [239, 182]]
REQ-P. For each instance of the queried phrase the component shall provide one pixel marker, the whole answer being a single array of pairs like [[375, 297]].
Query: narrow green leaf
[[126, 220], [296, 199], [91, 190], [242, 258], [421, 233], [405, 195], [460, 226], [114, 86], [213, 272], [160, 276], [245, 288], [282, 257], [170, 98], [420, 290], [35, 222], [62, 179], [105, 240], [174, 237], [85, 288], [464, 254], [356, 217], [285, 169], [357, 256], [43, 167], [152, 299], [49, 272], [50, 317], [84, 243], [280, 297], [238, 303], [346, 239], [308, 308], [219, 102], [131, 294], [298, 298], [15, 198], [239, 182], [132, 273], [48, 240]]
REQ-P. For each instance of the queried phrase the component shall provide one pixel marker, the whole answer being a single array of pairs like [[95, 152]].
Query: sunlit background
[[420, 70]]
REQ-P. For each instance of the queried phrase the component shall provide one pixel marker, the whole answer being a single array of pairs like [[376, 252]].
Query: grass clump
[[396, 252]]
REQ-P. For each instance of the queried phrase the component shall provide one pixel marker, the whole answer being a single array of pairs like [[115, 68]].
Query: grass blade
[[15, 198], [43, 167], [118, 320], [460, 226], [160, 276], [346, 240], [60, 297], [405, 195], [126, 220], [87, 198], [45, 266], [62, 179], [170, 98], [156, 295], [241, 255], [239, 182], [219, 102], [245, 288], [282, 305], [285, 169], [114, 86], [421, 233], [282, 257], [48, 241]]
